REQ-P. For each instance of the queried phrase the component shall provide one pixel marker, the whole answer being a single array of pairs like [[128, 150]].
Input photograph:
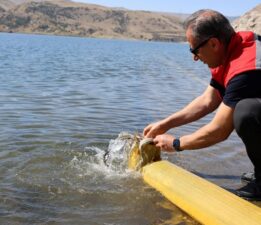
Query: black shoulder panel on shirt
[[245, 85], [219, 87]]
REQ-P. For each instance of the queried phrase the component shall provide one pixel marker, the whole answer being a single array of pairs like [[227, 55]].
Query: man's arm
[[199, 107], [216, 131]]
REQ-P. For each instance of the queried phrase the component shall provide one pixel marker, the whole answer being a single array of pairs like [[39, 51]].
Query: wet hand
[[164, 142], [154, 129]]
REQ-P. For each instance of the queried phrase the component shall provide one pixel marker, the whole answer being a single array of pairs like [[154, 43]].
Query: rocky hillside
[[5, 5], [69, 18], [64, 17], [250, 21]]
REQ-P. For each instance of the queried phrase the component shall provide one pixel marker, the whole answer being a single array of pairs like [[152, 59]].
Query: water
[[63, 103]]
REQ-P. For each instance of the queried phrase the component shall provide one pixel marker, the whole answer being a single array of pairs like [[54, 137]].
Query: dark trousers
[[247, 122]]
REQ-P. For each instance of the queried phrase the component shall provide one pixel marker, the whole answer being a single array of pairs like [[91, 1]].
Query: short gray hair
[[207, 23]]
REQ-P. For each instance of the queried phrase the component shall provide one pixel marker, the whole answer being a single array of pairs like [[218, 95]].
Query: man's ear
[[215, 43]]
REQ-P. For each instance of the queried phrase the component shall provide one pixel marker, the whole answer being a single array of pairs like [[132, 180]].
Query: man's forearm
[[197, 109], [202, 138], [216, 131]]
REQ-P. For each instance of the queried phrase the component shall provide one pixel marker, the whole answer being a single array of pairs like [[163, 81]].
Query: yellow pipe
[[204, 201]]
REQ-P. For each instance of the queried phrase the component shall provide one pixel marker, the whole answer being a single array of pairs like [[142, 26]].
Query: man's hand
[[164, 142], [154, 129]]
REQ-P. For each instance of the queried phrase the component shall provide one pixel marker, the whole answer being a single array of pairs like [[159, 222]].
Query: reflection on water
[[63, 102]]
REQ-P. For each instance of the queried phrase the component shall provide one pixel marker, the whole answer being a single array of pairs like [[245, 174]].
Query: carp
[[130, 151], [143, 152]]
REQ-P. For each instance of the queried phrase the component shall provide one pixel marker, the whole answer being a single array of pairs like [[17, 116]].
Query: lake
[[63, 103]]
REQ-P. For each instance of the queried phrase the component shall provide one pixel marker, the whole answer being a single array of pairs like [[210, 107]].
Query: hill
[[65, 17], [249, 21], [61, 17], [5, 5]]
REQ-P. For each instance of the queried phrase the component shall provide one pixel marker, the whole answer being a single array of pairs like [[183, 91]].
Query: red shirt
[[244, 54]]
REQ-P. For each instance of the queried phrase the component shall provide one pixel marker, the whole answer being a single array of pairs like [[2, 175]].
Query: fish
[[143, 151], [131, 152]]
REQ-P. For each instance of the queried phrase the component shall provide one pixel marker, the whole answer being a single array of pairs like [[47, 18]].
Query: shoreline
[[98, 37]]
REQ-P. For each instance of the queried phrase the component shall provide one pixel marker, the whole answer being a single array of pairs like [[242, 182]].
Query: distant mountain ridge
[[251, 20], [8, 4], [69, 18], [65, 17]]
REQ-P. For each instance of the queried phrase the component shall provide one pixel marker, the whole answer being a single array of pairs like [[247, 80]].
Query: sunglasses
[[196, 49]]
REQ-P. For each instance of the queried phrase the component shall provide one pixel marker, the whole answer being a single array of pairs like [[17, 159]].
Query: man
[[234, 60]]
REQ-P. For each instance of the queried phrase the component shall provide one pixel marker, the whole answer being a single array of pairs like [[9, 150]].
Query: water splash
[[111, 162], [116, 156]]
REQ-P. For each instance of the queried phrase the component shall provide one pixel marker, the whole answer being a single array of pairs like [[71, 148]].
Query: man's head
[[208, 33]]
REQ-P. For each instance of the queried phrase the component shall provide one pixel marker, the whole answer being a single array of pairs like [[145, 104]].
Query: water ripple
[[62, 100]]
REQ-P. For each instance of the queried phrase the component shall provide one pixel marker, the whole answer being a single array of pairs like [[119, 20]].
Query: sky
[[226, 7]]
